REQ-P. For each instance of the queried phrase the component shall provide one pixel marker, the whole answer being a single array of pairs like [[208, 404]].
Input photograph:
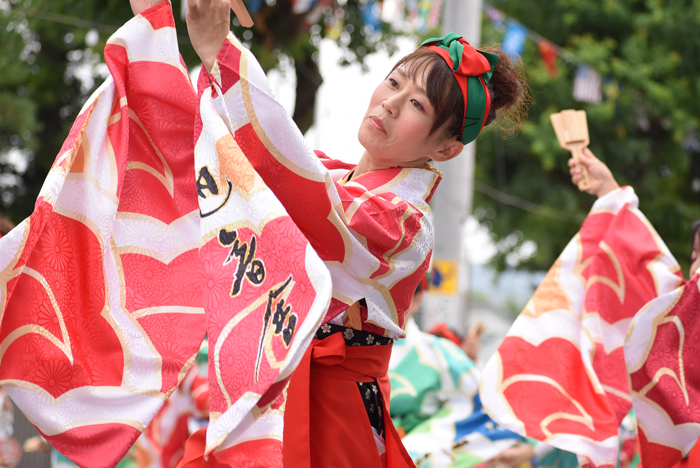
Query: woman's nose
[[391, 105]]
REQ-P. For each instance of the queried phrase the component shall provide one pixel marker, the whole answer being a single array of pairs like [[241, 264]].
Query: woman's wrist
[[607, 187], [208, 57]]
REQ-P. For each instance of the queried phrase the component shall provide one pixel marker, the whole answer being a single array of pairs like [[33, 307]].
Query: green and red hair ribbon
[[473, 69]]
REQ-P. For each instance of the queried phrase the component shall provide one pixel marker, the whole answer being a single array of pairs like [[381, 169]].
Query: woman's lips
[[376, 123]]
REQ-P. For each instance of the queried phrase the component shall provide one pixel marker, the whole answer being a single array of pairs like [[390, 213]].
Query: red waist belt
[[325, 422]]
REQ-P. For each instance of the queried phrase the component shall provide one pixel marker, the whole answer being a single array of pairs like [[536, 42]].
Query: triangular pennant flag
[[549, 56]]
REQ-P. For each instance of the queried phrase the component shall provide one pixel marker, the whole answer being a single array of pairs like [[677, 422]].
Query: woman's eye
[[416, 104], [393, 83]]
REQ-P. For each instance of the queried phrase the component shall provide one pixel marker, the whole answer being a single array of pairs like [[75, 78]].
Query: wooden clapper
[[241, 13], [571, 128]]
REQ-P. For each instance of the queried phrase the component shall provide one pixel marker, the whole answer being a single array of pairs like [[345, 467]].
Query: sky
[[342, 99]]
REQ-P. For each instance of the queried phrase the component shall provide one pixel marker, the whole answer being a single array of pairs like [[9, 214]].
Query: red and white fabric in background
[[162, 443], [108, 288], [663, 361], [560, 376]]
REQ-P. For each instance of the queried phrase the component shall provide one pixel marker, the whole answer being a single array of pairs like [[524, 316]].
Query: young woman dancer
[[370, 224]]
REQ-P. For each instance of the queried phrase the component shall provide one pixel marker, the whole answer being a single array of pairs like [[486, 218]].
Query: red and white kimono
[[373, 232]]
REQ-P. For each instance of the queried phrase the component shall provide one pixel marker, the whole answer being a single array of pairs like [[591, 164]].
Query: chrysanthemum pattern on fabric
[[105, 294], [88, 311], [663, 360]]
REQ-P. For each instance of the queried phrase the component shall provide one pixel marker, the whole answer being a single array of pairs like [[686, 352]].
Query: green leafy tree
[[52, 61], [646, 128]]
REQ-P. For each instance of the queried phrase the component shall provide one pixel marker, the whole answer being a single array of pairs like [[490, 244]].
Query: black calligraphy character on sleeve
[[283, 320], [248, 266], [205, 181], [278, 320], [256, 271]]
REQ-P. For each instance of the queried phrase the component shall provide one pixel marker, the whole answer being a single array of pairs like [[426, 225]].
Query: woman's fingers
[[575, 174], [193, 7], [588, 153], [587, 158]]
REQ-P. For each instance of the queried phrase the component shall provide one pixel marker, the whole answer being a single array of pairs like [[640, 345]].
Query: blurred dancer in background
[[435, 403]]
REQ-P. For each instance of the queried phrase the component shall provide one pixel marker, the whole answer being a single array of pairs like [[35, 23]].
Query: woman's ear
[[451, 149]]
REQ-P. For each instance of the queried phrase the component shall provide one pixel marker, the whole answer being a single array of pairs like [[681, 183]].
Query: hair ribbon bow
[[473, 69]]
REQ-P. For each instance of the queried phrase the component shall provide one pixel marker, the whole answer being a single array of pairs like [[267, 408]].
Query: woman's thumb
[[586, 157]]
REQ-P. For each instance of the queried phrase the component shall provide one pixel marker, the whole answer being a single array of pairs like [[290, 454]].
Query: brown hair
[[5, 226], [510, 92]]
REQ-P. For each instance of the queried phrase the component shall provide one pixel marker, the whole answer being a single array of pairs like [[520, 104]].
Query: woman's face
[[395, 130]]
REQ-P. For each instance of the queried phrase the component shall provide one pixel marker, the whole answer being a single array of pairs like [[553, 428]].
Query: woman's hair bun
[[510, 91]]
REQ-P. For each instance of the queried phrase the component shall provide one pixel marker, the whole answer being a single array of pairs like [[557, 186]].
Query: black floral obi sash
[[352, 337]]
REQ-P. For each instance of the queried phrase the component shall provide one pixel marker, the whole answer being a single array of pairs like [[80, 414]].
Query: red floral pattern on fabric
[[151, 283], [657, 455], [157, 18], [230, 75], [318, 229], [73, 135], [111, 441], [74, 248], [64, 321], [174, 336], [670, 374], [568, 371]]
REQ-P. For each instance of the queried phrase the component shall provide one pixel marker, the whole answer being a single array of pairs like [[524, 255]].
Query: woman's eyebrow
[[405, 76]]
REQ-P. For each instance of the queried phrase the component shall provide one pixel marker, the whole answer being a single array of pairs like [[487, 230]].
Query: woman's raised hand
[[137, 6], [600, 179], [208, 23]]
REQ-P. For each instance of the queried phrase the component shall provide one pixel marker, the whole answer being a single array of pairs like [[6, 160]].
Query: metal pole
[[452, 203]]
